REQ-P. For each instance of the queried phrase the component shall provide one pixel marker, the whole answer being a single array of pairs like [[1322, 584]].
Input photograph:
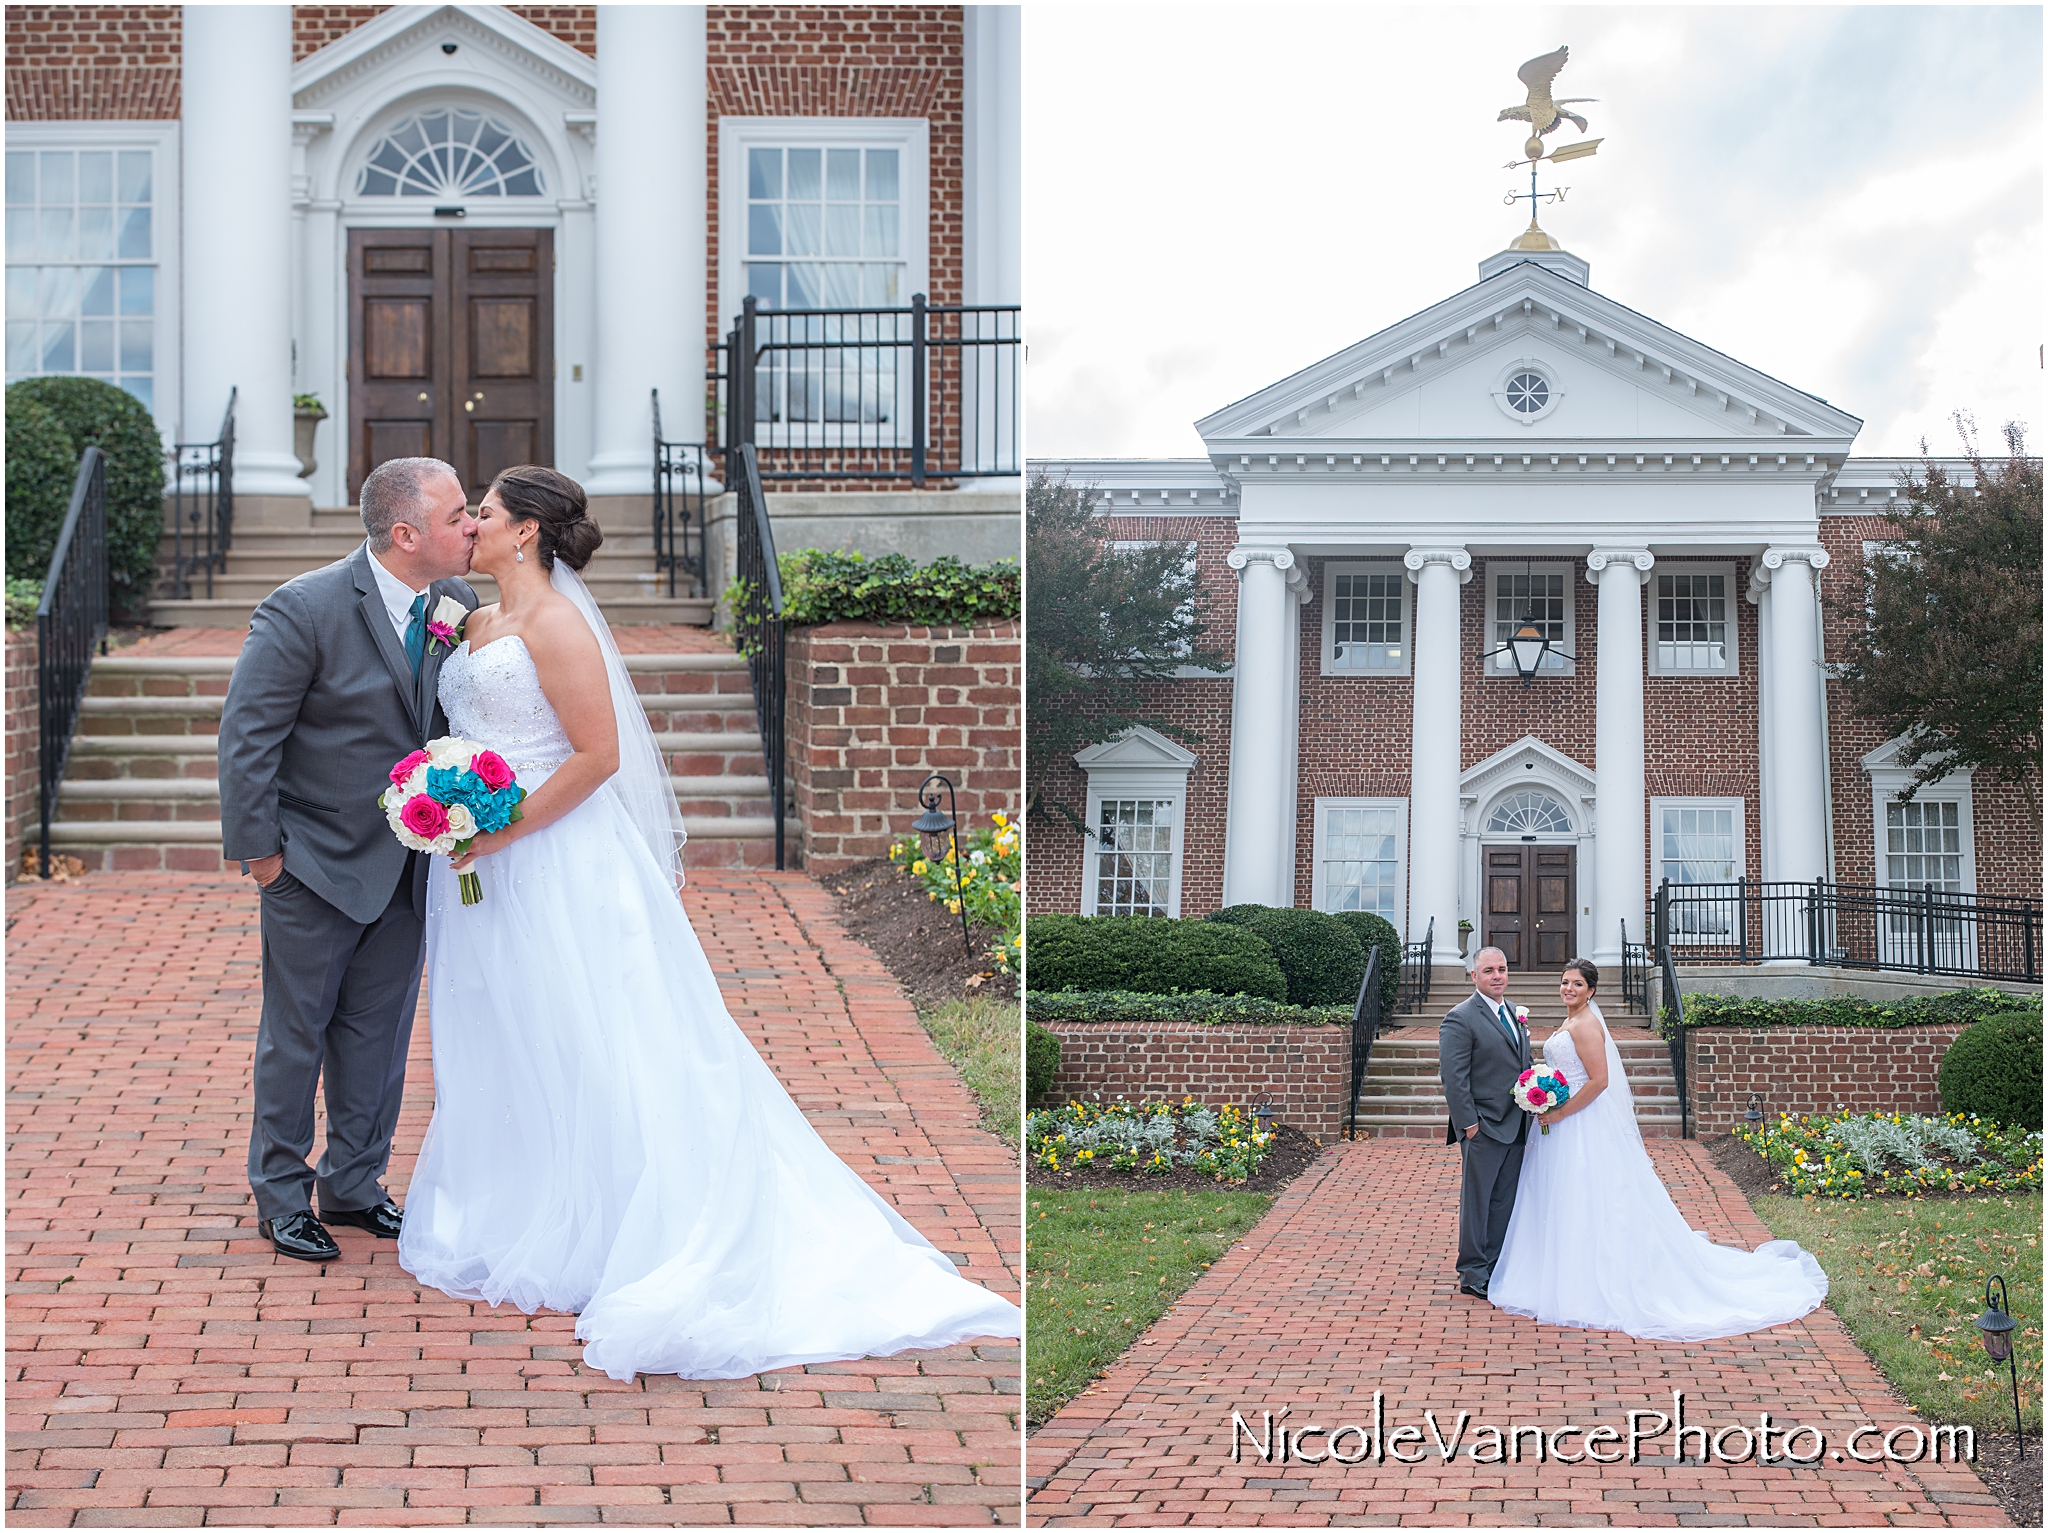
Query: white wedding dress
[[605, 1140], [1596, 1242]]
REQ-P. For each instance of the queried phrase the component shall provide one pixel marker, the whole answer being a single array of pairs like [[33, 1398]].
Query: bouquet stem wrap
[[473, 894]]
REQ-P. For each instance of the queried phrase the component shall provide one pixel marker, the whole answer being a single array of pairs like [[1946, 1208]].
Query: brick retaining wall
[[1813, 1070], [24, 746], [875, 708], [1307, 1069]]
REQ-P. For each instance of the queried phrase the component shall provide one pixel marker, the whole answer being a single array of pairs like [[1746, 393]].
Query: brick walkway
[[633, 639], [165, 1367], [1347, 1287]]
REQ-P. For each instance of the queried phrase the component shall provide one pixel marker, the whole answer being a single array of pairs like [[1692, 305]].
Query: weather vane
[[1544, 114]]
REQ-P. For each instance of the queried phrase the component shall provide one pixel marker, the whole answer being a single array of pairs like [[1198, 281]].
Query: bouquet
[[1539, 1093], [445, 796]]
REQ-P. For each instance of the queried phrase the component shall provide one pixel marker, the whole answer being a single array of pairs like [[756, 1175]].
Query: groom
[[1482, 1050], [336, 682]]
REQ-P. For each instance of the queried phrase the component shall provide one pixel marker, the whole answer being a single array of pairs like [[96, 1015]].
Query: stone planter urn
[[304, 423]]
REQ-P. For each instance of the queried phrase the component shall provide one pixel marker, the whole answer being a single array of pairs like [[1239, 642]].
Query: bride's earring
[[519, 554]]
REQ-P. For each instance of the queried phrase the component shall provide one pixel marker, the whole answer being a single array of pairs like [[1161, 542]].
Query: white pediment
[[1438, 378], [1528, 763], [1883, 763], [1138, 748]]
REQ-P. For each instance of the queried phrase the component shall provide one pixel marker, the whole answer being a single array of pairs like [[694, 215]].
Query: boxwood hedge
[[1993, 1069], [1377, 931], [1204, 1008], [41, 464], [114, 420], [1152, 954], [1318, 953]]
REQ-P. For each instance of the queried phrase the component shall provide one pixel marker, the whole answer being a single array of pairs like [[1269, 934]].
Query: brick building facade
[[1367, 531]]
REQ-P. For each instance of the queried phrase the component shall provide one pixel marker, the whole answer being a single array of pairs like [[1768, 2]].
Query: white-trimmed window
[[450, 153], [1698, 841], [1928, 842], [1693, 620], [1361, 857], [91, 244], [1367, 617], [1511, 594], [1137, 790]]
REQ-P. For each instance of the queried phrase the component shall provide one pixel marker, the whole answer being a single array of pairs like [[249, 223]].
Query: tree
[[1101, 625], [1948, 653]]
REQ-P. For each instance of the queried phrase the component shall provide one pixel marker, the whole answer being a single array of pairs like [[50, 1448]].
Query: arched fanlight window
[[1528, 813], [451, 153]]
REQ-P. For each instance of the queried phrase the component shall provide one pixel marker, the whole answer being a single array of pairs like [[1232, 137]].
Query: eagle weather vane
[[1544, 114]]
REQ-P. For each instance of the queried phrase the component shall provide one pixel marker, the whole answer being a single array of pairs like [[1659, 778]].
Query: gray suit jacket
[[322, 704], [1479, 1071]]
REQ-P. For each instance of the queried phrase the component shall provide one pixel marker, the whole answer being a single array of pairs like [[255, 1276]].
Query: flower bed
[[1147, 1137], [991, 881], [1857, 1155], [1204, 1008]]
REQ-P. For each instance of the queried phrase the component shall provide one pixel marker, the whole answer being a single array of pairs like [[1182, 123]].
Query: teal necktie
[[1507, 1022], [416, 632]]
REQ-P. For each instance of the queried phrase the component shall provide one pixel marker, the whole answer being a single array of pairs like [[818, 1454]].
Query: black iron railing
[[1673, 1019], [1415, 963], [757, 620], [928, 391], [1635, 974], [1852, 926], [202, 507], [71, 620], [679, 469], [1365, 1027]]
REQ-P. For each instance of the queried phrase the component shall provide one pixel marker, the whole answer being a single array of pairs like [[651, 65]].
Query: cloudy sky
[[1848, 199]]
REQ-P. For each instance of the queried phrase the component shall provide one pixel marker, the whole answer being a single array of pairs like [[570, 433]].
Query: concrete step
[[1402, 1095]]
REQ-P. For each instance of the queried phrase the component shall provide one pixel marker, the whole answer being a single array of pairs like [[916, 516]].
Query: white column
[[993, 154], [1437, 754], [237, 233], [1621, 869], [1795, 766], [651, 237], [1261, 794], [1759, 594]]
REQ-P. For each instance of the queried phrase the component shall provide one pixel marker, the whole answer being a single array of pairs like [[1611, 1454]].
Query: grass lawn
[[1102, 1265], [1907, 1277], [982, 1038]]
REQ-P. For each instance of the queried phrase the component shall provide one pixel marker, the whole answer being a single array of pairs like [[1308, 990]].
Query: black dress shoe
[[385, 1219], [1477, 1293], [300, 1235]]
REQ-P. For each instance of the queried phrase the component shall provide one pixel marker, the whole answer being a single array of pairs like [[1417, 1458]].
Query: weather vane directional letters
[[1544, 114]]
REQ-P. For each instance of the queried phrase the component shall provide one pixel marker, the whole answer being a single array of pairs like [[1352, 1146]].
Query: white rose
[[451, 612], [450, 751], [461, 823]]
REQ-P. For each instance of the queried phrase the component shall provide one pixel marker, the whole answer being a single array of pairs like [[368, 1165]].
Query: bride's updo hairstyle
[[1583, 967], [531, 493]]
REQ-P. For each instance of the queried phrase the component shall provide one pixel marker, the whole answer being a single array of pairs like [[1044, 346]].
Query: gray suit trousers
[[1486, 1197], [338, 1004]]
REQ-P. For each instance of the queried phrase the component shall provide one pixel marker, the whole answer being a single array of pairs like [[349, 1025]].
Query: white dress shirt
[[398, 597], [1496, 1007]]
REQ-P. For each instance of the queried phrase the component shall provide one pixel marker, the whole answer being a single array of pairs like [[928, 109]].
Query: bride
[[1596, 1242], [604, 1139]]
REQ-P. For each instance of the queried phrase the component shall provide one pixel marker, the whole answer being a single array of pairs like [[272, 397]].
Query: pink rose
[[1539, 1098], [407, 767], [423, 817], [491, 767]]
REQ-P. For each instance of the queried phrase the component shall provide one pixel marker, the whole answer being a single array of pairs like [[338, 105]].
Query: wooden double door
[[451, 350], [1531, 904]]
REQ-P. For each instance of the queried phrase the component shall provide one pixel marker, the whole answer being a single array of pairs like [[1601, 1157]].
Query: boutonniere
[[1522, 1015], [445, 626]]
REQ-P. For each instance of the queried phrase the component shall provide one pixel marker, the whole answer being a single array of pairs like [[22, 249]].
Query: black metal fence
[[202, 495], [679, 473], [1851, 926], [757, 620], [71, 620], [1674, 1036], [1635, 974], [1365, 1027], [928, 391], [1415, 963]]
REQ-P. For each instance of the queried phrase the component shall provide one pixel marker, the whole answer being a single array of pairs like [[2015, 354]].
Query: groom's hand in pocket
[[265, 869], [1470, 1132]]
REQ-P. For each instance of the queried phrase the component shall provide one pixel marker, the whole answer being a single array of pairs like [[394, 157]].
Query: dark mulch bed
[[2014, 1480], [1292, 1153], [917, 939]]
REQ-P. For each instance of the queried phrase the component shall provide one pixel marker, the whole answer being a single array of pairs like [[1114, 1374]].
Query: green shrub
[[1041, 1061], [1151, 954], [1204, 1008], [114, 420], [823, 587], [1377, 931], [23, 597], [1322, 960], [1964, 1006], [41, 463], [1993, 1069]]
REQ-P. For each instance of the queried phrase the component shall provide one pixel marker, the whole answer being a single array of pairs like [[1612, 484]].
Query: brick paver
[[1347, 1287], [166, 1367], [633, 639]]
